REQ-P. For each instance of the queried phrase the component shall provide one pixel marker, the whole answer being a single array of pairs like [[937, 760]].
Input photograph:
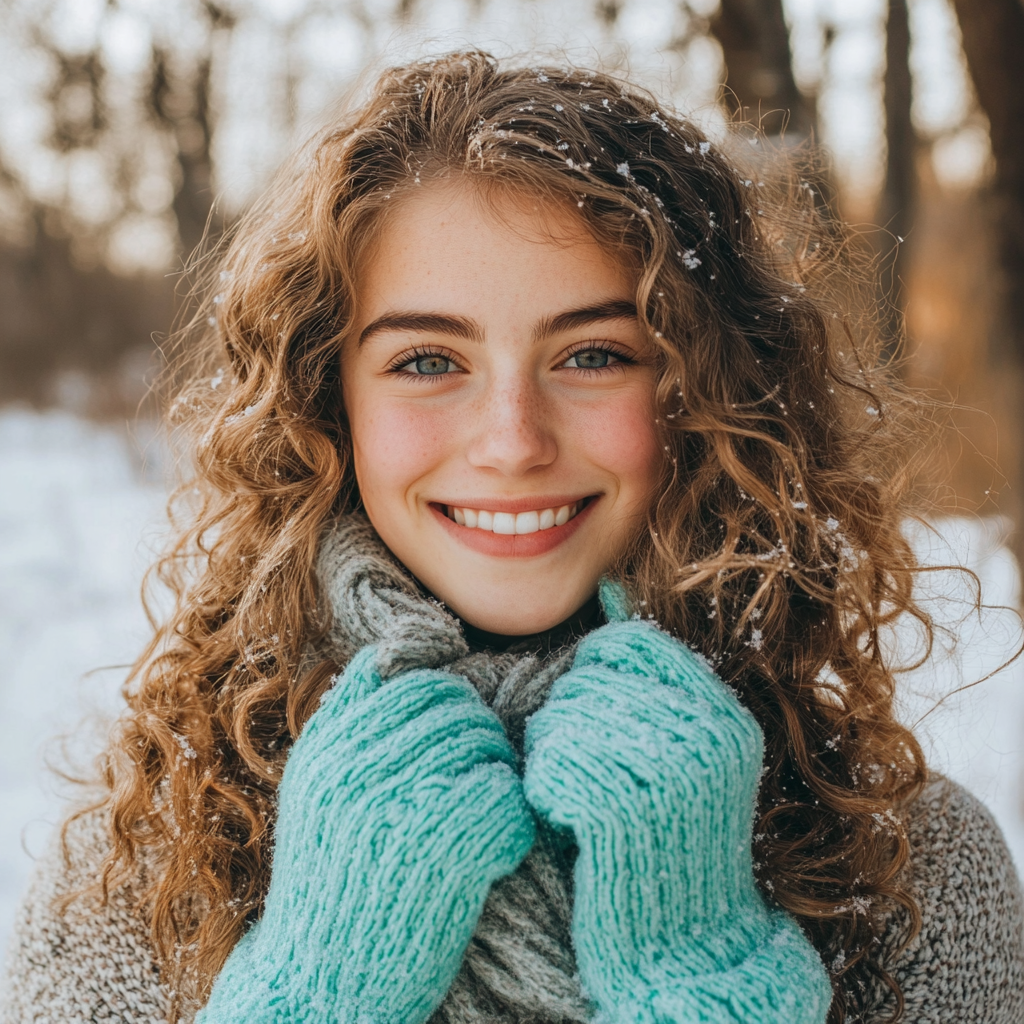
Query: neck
[[589, 616]]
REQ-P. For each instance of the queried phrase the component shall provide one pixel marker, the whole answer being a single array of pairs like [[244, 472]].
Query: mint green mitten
[[398, 808], [653, 763]]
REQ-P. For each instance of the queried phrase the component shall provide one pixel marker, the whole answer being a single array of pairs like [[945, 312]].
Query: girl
[[525, 664]]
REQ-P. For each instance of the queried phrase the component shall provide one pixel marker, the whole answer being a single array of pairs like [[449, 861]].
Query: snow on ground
[[80, 518], [972, 728], [75, 507]]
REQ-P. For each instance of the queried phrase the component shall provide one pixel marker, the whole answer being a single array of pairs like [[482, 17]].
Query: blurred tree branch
[[66, 309], [179, 102], [76, 97]]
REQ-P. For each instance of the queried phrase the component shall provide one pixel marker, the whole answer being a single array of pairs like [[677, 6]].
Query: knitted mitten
[[398, 808], [646, 755]]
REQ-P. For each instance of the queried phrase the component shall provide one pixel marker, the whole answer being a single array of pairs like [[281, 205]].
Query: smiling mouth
[[515, 523]]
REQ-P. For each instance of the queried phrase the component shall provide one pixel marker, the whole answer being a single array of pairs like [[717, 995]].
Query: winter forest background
[[128, 126]]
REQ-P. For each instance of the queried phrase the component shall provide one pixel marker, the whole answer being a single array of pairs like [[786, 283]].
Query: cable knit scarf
[[519, 967]]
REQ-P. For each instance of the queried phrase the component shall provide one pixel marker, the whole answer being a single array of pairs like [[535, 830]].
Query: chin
[[505, 626], [496, 618], [506, 596]]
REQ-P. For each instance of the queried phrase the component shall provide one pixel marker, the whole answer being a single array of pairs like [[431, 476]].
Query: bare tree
[[61, 317], [899, 192], [65, 310], [755, 46], [993, 39], [179, 102]]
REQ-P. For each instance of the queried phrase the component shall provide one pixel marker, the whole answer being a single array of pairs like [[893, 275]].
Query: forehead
[[454, 242]]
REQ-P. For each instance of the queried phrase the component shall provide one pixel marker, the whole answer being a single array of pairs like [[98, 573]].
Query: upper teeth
[[512, 522]]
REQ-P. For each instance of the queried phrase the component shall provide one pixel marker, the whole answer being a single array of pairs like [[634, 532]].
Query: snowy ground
[[81, 514], [76, 511]]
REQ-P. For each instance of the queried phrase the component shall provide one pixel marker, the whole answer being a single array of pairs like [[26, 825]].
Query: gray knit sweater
[[91, 962]]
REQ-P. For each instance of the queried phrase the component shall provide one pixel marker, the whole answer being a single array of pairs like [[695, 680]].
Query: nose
[[512, 434]]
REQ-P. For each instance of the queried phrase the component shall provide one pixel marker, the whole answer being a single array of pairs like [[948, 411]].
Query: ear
[[615, 602]]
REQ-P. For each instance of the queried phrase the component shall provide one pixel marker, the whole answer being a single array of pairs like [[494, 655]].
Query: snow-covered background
[[81, 514]]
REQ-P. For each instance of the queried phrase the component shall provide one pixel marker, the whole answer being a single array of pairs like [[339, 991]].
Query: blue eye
[[424, 362], [589, 359], [431, 365]]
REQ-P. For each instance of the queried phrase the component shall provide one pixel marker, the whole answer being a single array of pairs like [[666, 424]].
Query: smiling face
[[499, 391]]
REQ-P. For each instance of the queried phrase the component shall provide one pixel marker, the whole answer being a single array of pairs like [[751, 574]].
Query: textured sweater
[[94, 963], [89, 962]]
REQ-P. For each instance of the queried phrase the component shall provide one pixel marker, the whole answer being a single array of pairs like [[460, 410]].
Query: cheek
[[394, 444], [620, 436]]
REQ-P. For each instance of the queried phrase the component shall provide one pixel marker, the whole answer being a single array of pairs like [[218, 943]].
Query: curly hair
[[775, 546]]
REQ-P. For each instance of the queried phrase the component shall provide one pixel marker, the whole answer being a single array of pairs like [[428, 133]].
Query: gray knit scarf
[[519, 966]]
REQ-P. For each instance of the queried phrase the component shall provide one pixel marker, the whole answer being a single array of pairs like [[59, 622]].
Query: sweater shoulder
[[967, 962], [79, 959]]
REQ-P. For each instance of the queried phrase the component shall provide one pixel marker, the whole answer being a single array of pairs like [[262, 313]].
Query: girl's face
[[499, 391]]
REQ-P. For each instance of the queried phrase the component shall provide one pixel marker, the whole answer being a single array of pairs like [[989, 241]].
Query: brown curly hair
[[774, 548]]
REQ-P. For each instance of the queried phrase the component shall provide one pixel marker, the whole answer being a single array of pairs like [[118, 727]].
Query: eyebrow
[[617, 309], [434, 323], [463, 327]]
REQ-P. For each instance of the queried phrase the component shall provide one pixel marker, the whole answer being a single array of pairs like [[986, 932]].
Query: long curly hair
[[775, 546]]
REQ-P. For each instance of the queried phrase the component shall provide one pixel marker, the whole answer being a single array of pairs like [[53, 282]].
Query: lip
[[525, 545], [514, 505]]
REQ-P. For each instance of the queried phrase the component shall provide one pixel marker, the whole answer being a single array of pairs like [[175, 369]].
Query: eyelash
[[410, 355], [598, 346]]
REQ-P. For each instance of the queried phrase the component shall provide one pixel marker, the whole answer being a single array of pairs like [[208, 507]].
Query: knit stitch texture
[[398, 808], [92, 962], [653, 763], [519, 966]]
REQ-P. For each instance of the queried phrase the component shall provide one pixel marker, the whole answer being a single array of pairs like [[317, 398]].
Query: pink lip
[[517, 545], [525, 504]]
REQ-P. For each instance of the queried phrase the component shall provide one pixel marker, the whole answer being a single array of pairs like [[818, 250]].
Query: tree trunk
[[993, 36], [755, 45], [180, 103], [993, 40], [896, 204]]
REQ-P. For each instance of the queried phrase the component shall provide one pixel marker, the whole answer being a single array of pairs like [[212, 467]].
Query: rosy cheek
[[619, 435], [397, 443]]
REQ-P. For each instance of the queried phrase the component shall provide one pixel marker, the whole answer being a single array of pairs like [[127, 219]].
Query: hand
[[399, 807], [653, 763]]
